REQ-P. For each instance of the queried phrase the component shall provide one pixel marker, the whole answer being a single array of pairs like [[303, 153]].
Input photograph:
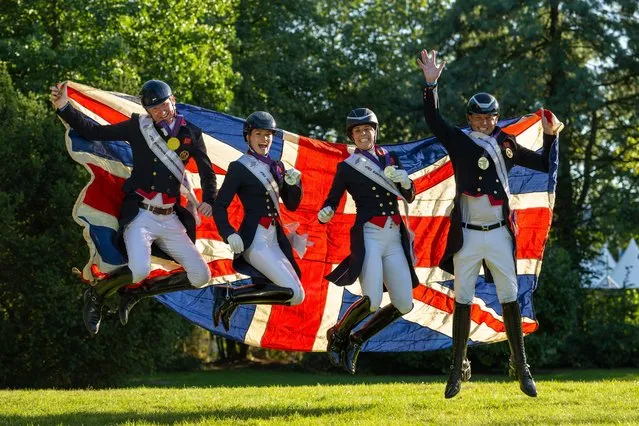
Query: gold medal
[[509, 153], [173, 143], [184, 155], [482, 163]]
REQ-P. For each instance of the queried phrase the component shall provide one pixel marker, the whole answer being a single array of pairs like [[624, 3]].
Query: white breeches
[[385, 263], [496, 248], [265, 255], [170, 235]]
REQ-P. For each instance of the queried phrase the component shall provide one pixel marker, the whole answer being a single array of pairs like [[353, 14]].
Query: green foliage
[[610, 330], [309, 63], [116, 45]]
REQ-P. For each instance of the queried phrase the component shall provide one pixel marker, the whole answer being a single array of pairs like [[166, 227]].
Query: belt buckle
[[485, 228]]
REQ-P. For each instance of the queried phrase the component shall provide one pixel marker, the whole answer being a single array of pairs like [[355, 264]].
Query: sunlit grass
[[265, 396]]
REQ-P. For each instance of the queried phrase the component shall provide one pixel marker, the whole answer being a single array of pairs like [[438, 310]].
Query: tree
[[309, 63], [117, 45], [111, 45]]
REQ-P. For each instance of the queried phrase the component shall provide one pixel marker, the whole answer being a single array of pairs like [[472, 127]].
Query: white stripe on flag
[[258, 325]]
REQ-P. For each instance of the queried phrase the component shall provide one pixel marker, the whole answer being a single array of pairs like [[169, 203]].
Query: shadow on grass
[[239, 414], [269, 375], [291, 375]]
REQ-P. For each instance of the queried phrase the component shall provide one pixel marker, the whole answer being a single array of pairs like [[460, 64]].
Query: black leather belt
[[484, 227], [156, 210]]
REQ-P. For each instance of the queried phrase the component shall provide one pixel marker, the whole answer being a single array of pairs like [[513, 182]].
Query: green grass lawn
[[259, 395]]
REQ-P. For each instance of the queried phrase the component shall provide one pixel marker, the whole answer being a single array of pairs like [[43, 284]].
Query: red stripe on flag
[[534, 225], [105, 192], [520, 127], [433, 178], [297, 326], [431, 234], [445, 303], [106, 112]]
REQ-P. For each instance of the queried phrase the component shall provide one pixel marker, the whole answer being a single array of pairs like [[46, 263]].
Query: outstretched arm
[[338, 187], [80, 123], [432, 70]]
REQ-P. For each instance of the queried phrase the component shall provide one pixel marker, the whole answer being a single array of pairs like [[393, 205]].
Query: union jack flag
[[303, 328]]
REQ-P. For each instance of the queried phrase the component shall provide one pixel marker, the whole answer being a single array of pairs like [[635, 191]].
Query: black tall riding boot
[[93, 299], [512, 321], [460, 368], [380, 320], [118, 279], [129, 298], [337, 335], [226, 300], [92, 310]]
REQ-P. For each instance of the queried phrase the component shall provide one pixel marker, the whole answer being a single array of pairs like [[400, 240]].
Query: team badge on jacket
[[173, 143], [482, 163]]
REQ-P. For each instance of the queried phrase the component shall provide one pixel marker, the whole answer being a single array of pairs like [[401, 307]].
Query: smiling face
[[483, 123], [364, 136], [164, 111], [260, 140]]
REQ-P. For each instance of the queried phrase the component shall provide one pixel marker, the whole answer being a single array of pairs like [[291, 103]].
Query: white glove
[[236, 243], [398, 176], [205, 209], [326, 214], [292, 176]]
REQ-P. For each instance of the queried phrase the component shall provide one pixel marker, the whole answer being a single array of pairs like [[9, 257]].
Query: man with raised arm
[[482, 229]]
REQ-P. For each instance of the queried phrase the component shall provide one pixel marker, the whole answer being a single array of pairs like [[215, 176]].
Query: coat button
[[266, 192], [392, 212], [381, 205], [374, 188], [388, 193], [383, 213], [480, 178], [268, 207], [494, 192], [497, 180], [155, 173], [152, 187], [155, 160], [478, 189], [376, 195], [390, 203]]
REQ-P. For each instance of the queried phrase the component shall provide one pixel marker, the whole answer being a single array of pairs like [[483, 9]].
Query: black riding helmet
[[154, 92], [259, 120], [482, 103], [360, 116]]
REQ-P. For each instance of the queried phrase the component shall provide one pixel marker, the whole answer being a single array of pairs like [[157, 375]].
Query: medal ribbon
[[274, 166], [380, 151], [171, 133]]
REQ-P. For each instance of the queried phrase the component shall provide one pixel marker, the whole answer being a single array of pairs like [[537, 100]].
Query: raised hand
[[428, 64], [59, 96], [550, 122]]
